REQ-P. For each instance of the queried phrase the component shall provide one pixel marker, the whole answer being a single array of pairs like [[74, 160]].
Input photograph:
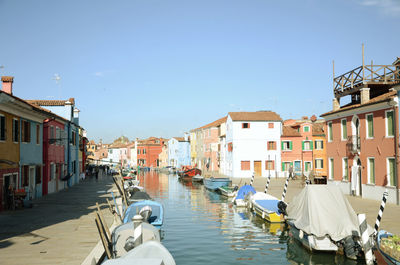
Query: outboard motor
[[146, 212], [282, 207], [236, 188]]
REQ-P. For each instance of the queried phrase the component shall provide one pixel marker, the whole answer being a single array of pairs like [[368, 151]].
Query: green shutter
[[302, 145], [311, 145], [291, 164], [290, 145], [282, 145], [370, 120], [283, 166], [391, 171], [389, 116]]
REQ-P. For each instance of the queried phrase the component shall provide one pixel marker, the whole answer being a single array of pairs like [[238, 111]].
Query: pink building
[[362, 136]]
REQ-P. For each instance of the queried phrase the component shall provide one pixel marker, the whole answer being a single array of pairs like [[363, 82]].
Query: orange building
[[148, 151]]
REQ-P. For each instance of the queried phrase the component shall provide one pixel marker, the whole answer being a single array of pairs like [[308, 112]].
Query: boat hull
[[215, 183], [386, 256], [227, 191], [269, 216]]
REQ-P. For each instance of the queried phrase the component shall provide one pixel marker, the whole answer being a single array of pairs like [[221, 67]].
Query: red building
[[148, 151], [53, 155]]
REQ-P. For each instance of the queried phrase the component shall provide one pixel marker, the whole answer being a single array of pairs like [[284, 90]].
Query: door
[[257, 168], [307, 166], [31, 187], [297, 166]]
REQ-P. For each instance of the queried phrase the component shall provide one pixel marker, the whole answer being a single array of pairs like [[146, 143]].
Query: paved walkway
[[391, 216], [59, 229]]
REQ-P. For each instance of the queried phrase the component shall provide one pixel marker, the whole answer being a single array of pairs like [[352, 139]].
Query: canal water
[[202, 227]]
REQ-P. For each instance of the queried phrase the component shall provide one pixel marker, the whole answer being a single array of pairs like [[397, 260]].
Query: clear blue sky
[[161, 67]]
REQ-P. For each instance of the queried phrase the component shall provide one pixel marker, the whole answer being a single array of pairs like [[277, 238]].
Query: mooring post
[[380, 213], [367, 246], [137, 226]]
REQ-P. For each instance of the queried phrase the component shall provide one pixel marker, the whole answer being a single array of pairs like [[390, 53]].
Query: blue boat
[[157, 212], [215, 183], [239, 200]]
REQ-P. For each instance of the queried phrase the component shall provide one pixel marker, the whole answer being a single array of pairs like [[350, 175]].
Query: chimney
[[364, 95], [304, 118], [7, 84], [313, 118]]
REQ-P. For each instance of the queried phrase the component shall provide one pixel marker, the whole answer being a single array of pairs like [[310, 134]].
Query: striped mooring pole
[[252, 180], [366, 243], [266, 185], [381, 209], [285, 188], [137, 232]]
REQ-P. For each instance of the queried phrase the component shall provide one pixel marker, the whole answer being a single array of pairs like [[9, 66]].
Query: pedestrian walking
[[97, 173]]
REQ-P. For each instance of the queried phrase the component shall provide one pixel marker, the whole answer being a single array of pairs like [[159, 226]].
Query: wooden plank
[[103, 238], [103, 221]]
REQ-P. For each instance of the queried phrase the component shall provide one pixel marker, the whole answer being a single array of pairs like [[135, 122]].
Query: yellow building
[[319, 152], [193, 142]]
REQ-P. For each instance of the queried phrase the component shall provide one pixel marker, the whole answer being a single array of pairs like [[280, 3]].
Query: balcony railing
[[353, 144], [369, 73]]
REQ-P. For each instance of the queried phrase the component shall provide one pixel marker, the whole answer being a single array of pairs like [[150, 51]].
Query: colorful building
[[148, 151], [253, 144], [179, 151], [362, 136]]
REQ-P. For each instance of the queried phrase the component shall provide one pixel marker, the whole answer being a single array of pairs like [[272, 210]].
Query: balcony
[[353, 144], [351, 81]]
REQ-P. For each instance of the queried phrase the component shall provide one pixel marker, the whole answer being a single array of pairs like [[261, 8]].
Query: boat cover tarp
[[244, 190], [148, 253], [323, 210], [140, 195], [270, 205]]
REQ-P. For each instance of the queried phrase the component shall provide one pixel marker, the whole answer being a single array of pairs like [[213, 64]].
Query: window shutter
[[283, 166], [291, 164], [302, 145], [2, 128], [290, 145], [322, 144], [311, 145], [282, 145]]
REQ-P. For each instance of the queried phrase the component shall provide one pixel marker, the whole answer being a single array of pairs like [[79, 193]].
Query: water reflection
[[202, 227]]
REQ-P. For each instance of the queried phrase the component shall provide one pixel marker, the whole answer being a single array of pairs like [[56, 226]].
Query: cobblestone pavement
[[59, 229], [391, 216]]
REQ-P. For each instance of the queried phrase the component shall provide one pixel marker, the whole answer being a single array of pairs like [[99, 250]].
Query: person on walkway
[[97, 173]]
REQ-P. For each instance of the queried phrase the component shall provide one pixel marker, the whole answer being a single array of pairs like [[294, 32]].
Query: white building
[[253, 144], [179, 151], [133, 155]]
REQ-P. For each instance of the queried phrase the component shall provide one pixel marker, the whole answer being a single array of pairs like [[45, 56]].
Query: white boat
[[321, 219], [228, 191]]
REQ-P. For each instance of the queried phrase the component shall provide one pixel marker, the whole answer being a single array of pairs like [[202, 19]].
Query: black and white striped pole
[[286, 184], [252, 180], [137, 232], [381, 209], [366, 243], [269, 177]]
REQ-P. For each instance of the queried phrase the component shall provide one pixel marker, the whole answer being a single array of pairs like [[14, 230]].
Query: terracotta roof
[[212, 124], [255, 116], [7, 78], [289, 131], [318, 128], [50, 102], [384, 97], [180, 139]]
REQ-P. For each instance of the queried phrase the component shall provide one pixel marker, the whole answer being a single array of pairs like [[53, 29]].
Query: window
[[286, 166], [269, 165], [25, 176], [370, 126], [37, 134], [331, 168], [144, 151], [111, 151], [52, 171], [271, 145], [52, 140], [330, 135], [15, 131], [138, 151], [58, 136], [307, 146], [26, 131], [319, 144], [389, 123], [390, 171], [344, 129], [371, 170], [306, 128], [38, 178], [2, 128], [319, 163], [270, 125], [245, 125], [286, 145], [230, 147], [345, 169], [245, 165]]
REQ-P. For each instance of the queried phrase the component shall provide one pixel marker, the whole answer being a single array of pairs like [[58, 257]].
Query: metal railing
[[369, 73]]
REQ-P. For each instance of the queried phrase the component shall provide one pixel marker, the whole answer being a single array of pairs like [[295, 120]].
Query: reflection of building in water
[[163, 183]]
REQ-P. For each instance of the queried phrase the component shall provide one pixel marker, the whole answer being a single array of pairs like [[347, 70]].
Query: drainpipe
[[396, 150], [68, 150]]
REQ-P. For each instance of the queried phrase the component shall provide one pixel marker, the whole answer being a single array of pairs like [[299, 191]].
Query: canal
[[202, 227]]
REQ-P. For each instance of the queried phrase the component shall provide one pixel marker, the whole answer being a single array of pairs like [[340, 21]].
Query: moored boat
[[156, 217], [321, 219], [242, 193], [266, 206], [197, 178], [214, 183], [228, 191], [389, 247]]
